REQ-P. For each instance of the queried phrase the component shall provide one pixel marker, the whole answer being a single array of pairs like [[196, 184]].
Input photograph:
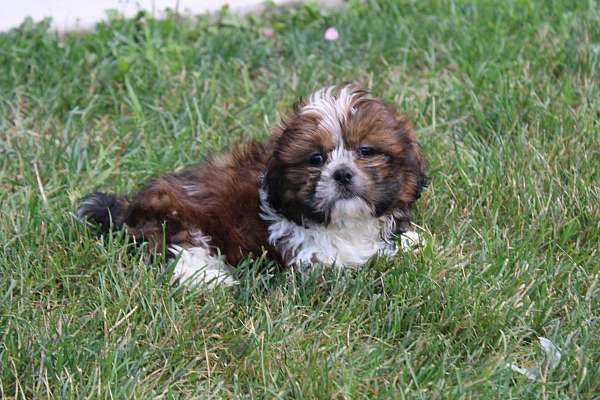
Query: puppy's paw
[[196, 266], [410, 241]]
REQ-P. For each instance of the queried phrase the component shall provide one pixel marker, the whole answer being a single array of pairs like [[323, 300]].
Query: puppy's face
[[343, 155]]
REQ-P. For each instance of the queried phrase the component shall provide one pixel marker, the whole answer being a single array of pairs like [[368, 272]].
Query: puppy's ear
[[422, 179], [285, 120], [274, 176], [414, 164], [273, 183]]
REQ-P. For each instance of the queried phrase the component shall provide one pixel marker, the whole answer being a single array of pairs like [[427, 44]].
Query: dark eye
[[366, 151], [317, 159]]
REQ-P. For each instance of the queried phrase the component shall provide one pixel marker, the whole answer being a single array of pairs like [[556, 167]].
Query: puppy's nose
[[343, 176]]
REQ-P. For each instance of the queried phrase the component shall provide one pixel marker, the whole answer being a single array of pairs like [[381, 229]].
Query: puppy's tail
[[104, 210]]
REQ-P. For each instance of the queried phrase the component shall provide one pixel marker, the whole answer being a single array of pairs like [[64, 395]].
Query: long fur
[[102, 209], [334, 184], [349, 243]]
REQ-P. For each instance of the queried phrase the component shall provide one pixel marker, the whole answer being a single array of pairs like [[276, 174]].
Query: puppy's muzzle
[[343, 176]]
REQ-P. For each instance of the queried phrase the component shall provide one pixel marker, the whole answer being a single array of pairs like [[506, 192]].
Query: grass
[[506, 100]]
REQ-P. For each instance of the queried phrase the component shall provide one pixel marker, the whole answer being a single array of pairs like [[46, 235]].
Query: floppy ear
[[274, 176], [414, 166], [273, 183], [421, 170], [414, 176]]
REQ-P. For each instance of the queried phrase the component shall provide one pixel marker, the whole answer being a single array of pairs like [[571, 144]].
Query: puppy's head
[[343, 155]]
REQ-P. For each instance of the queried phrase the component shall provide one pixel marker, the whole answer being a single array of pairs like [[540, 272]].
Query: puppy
[[333, 185]]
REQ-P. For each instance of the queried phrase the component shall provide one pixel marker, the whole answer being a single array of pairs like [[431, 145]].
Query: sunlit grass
[[506, 101]]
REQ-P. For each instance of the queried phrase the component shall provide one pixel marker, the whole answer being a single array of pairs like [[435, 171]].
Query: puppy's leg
[[409, 238], [160, 212], [197, 264]]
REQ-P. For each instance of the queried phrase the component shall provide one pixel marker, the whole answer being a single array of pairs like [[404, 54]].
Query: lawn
[[505, 97]]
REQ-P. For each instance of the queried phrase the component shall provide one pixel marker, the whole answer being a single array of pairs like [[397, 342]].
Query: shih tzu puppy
[[333, 185]]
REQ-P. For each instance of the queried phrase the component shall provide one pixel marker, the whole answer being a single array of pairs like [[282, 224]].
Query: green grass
[[506, 100]]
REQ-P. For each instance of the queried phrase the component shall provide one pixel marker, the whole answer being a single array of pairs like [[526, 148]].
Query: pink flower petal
[[267, 32], [331, 34]]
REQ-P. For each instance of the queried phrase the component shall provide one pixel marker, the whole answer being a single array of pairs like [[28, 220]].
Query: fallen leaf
[[552, 354]]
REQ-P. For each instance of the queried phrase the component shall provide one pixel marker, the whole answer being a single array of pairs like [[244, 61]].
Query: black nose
[[343, 175]]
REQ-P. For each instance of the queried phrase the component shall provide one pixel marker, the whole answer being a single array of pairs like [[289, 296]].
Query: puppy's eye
[[317, 159], [366, 151]]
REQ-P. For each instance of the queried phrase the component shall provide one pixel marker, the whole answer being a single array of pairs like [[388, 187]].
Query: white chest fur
[[349, 243]]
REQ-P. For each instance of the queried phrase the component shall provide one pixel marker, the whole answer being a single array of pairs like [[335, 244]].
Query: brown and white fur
[[333, 185]]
